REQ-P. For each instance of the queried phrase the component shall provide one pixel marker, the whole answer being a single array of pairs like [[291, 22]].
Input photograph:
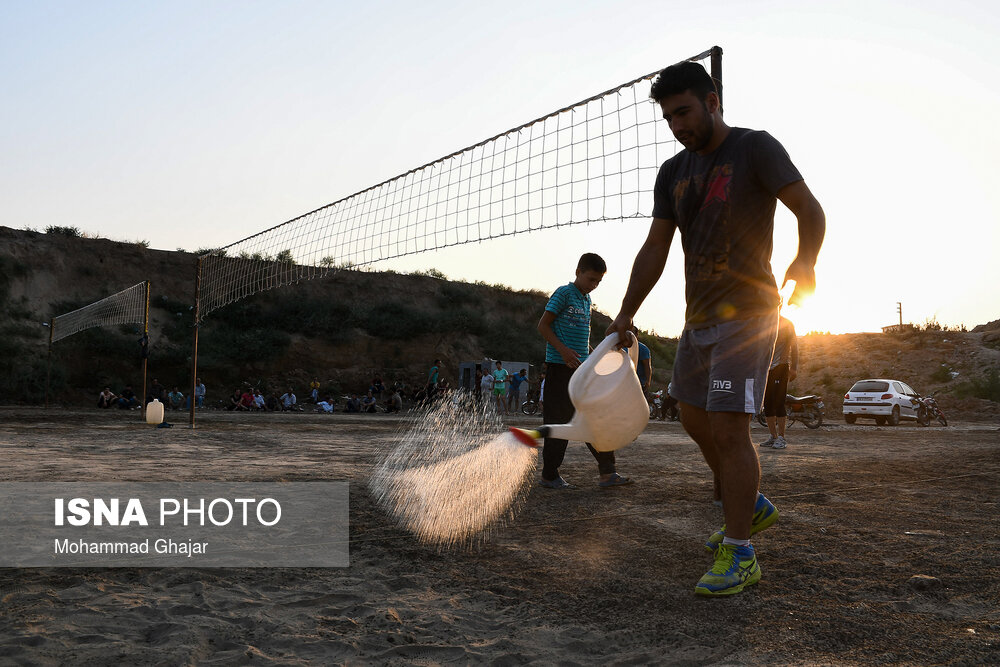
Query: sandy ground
[[589, 576]]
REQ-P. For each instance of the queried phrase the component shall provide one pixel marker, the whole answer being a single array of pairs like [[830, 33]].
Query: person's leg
[[778, 386], [739, 470], [724, 439], [605, 463], [558, 409], [773, 397], [695, 422], [739, 368]]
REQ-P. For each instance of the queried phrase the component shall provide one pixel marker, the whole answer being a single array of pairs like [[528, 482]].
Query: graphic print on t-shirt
[[708, 205]]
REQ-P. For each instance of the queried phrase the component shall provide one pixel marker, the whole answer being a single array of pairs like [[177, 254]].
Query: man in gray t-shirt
[[721, 193]]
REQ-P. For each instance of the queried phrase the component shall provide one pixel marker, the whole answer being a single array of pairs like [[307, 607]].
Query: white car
[[885, 401]]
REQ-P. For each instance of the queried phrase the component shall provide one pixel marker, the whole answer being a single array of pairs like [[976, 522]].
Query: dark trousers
[[558, 409], [774, 394]]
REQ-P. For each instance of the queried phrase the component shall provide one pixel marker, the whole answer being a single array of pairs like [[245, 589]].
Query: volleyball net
[[130, 306], [593, 161]]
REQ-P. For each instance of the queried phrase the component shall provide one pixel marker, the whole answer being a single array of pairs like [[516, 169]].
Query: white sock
[[735, 542]]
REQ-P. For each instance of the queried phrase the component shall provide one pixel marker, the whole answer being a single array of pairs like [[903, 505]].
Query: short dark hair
[[591, 262], [678, 78]]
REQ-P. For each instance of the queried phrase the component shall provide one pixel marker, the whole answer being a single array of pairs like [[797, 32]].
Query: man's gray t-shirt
[[723, 204]]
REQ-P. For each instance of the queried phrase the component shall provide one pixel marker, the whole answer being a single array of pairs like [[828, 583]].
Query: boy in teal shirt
[[565, 326]]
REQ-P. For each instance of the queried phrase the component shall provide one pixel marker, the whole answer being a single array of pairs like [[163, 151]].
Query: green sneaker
[[764, 516], [734, 569]]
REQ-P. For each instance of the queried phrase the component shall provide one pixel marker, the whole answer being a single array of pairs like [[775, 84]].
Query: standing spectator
[[541, 387], [784, 368], [486, 385], [288, 401], [106, 398], [199, 393], [432, 379], [500, 387], [645, 367], [477, 389], [175, 399], [565, 326], [514, 393], [314, 391]]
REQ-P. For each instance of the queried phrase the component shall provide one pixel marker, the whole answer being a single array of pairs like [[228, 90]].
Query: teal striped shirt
[[572, 324]]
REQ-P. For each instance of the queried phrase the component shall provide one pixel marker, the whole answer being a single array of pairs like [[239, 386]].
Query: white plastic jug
[[611, 409], [154, 412]]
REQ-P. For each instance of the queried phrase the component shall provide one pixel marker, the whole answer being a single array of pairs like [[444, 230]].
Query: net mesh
[[589, 162], [125, 307]]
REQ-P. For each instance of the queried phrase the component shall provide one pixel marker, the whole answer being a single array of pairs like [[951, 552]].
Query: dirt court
[[587, 576]]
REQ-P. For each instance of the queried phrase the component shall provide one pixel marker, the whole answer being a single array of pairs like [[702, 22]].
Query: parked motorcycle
[[806, 409], [530, 406], [927, 409], [663, 406]]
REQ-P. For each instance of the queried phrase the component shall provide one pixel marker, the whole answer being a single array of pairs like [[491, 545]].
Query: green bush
[[457, 294], [63, 231], [942, 373], [10, 268], [513, 343], [394, 320], [664, 351], [170, 305], [464, 321], [986, 387]]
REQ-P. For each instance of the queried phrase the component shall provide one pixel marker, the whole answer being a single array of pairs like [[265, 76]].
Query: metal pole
[[717, 72], [194, 350], [145, 351], [48, 366]]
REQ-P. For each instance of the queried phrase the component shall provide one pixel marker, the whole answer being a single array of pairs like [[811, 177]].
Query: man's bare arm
[[812, 228]]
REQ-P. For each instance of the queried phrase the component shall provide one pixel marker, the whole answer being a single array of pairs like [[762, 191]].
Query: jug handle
[[611, 341]]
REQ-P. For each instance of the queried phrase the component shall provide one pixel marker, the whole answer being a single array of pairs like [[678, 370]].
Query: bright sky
[[194, 124]]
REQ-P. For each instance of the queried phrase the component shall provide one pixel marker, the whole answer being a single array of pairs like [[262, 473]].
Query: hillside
[[347, 327], [342, 329]]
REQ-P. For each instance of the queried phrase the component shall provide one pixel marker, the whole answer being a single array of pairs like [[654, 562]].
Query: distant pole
[[899, 309], [144, 347], [716, 64], [48, 366], [194, 349]]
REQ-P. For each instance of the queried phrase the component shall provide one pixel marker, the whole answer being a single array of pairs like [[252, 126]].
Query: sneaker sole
[[732, 590]]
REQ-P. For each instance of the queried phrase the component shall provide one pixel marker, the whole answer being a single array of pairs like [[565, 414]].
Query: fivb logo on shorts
[[722, 385]]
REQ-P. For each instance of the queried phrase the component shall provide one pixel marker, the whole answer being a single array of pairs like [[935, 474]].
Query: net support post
[[194, 347], [144, 350], [716, 64], [48, 365]]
